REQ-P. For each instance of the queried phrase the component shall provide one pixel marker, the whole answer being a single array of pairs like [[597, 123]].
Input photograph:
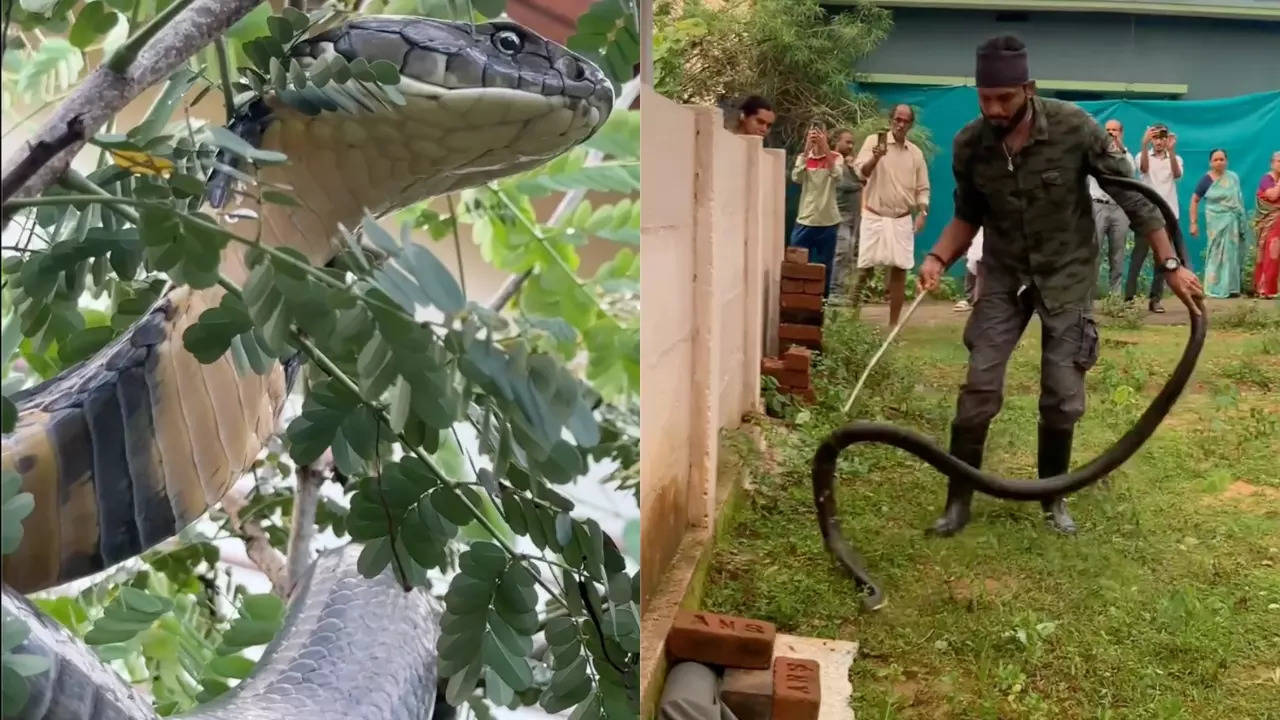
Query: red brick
[[797, 358], [772, 366], [795, 301], [721, 640], [802, 317], [815, 287], [797, 693], [748, 693], [794, 286], [809, 336], [797, 379], [799, 271], [797, 255]]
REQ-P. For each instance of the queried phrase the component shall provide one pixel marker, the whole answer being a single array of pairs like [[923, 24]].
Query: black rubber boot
[[967, 444], [1055, 459]]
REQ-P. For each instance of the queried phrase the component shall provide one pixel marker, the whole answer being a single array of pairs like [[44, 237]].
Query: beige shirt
[[818, 207], [899, 184]]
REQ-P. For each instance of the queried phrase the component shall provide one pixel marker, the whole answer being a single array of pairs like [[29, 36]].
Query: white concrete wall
[[712, 225]]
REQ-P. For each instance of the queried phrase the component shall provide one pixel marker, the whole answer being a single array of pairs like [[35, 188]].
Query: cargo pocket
[[1087, 352]]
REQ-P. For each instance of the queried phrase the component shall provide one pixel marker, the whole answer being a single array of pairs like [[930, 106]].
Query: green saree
[[1227, 233]]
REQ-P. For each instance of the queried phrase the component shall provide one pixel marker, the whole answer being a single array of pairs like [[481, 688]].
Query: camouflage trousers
[[1068, 349]]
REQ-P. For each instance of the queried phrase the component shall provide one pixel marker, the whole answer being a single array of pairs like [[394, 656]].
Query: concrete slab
[[834, 658]]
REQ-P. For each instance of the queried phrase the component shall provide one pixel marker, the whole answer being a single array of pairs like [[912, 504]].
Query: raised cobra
[[127, 448], [824, 460]]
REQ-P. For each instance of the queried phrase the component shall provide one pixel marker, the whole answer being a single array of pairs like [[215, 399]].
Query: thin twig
[[124, 56], [457, 244], [257, 545], [306, 498], [224, 71]]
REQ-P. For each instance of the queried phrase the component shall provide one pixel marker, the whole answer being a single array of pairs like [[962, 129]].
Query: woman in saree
[[1226, 227], [1266, 226]]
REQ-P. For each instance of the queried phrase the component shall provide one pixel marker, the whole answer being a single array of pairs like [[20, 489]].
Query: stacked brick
[[802, 284], [792, 371], [756, 685], [800, 330]]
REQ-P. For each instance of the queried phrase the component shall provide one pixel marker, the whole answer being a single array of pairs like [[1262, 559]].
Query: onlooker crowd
[[864, 210]]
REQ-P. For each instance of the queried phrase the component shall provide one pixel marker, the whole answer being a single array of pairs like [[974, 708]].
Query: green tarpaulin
[[1248, 127]]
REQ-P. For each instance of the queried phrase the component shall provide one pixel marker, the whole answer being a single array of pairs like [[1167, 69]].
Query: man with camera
[[1161, 168], [896, 189], [817, 170]]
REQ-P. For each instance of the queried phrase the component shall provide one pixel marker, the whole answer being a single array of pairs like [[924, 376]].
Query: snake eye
[[508, 42]]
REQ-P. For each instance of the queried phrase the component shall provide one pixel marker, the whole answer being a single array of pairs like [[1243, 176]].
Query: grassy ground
[[1167, 603]]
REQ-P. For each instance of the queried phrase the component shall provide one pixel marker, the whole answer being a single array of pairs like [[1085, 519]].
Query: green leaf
[[225, 139], [13, 691], [15, 507], [513, 670], [461, 685], [449, 504], [130, 613], [94, 20], [259, 620], [53, 68], [385, 72], [569, 686], [375, 557], [212, 334], [232, 666], [483, 561], [84, 343]]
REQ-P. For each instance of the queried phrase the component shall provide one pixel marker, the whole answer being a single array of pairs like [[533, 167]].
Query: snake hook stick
[[824, 460]]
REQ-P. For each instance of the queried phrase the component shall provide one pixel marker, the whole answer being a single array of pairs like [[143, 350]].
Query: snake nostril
[[573, 70]]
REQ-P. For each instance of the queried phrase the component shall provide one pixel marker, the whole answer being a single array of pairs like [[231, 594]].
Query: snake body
[[130, 446], [824, 460]]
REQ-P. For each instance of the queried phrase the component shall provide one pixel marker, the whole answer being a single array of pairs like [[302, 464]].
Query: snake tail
[[828, 452]]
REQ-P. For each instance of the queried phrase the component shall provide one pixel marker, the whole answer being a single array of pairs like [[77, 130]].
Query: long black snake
[[130, 446], [824, 460]]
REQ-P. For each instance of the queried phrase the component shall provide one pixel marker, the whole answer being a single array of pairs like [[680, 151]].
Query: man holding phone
[[897, 187], [1161, 168], [817, 170]]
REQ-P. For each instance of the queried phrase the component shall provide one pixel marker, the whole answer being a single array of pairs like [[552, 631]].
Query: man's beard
[[1014, 121]]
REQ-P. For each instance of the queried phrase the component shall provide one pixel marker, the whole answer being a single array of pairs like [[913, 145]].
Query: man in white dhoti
[[895, 204]]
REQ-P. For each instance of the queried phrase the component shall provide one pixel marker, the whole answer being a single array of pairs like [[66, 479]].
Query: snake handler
[[1021, 174]]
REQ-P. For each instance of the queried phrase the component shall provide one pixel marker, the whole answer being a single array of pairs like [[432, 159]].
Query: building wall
[[1215, 58]]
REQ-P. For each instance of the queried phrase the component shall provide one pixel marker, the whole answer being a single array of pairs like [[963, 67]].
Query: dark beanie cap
[[1002, 62]]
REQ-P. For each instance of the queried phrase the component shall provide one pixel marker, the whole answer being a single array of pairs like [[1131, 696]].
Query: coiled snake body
[[127, 448], [824, 460]]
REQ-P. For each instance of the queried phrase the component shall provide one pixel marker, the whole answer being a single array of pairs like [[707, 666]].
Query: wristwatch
[[1170, 264]]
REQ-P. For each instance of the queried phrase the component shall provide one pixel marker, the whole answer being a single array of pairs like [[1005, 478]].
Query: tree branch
[[40, 154], [105, 92], [257, 546], [305, 499]]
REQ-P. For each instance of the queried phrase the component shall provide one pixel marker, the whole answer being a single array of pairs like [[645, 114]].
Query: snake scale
[[824, 460], [132, 445]]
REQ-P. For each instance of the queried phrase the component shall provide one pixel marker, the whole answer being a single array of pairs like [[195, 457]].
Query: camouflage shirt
[[1035, 209]]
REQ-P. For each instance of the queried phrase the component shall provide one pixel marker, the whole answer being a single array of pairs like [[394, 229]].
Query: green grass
[[1166, 604]]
